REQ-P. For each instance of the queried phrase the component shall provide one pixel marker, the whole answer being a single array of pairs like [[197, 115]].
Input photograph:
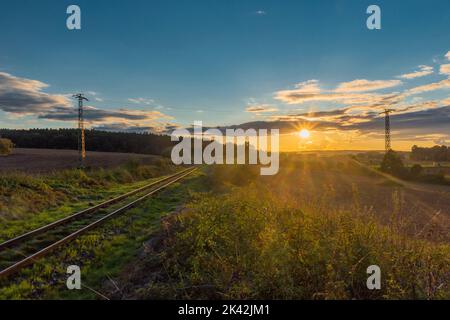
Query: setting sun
[[304, 134]]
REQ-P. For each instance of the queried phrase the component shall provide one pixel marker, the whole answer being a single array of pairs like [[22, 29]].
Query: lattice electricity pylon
[[81, 143], [387, 129]]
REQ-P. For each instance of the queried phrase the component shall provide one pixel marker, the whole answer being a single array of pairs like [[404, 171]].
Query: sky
[[158, 65]]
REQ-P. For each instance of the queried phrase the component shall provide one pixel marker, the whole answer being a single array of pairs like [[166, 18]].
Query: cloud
[[363, 85], [448, 55], [141, 101], [443, 84], [113, 119], [262, 108], [21, 96], [361, 108], [308, 87], [293, 97], [445, 69], [125, 127], [407, 125], [25, 96], [95, 95], [319, 116], [422, 72], [93, 114], [428, 121], [260, 12], [353, 92]]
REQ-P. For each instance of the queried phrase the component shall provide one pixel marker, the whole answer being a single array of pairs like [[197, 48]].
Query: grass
[[307, 233], [30, 201], [390, 183], [253, 242], [101, 253], [261, 247]]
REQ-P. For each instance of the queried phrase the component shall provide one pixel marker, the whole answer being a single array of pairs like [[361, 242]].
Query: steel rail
[[76, 215], [32, 258]]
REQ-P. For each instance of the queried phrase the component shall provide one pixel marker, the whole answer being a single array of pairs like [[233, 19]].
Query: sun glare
[[304, 134]]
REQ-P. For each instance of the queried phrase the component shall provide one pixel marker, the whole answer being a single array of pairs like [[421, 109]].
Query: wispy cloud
[[443, 84], [261, 108], [446, 102], [363, 85], [414, 121], [21, 96], [353, 92], [125, 127], [445, 69], [95, 95], [93, 114], [354, 114], [108, 118], [422, 72], [145, 101], [362, 104]]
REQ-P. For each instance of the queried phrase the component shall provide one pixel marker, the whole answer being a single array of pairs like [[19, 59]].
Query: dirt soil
[[45, 160]]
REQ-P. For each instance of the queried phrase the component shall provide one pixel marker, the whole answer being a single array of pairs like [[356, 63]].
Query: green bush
[[251, 244], [6, 146], [393, 164], [415, 171]]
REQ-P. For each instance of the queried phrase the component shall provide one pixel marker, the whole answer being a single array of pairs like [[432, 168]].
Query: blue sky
[[215, 60]]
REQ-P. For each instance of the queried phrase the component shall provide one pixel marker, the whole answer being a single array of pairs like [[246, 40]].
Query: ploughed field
[[45, 160]]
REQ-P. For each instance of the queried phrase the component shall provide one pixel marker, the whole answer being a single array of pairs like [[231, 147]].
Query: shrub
[[393, 164], [251, 244], [416, 171], [6, 146]]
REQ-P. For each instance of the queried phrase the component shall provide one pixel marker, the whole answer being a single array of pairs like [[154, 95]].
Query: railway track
[[27, 248]]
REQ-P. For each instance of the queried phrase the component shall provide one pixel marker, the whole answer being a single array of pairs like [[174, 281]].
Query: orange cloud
[[430, 87], [363, 85], [262, 108], [445, 69], [422, 72]]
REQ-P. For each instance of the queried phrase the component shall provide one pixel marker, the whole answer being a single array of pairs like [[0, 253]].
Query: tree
[[436, 153], [393, 164], [6, 146], [96, 140], [416, 171]]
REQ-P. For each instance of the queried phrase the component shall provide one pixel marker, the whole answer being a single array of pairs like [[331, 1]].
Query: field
[[309, 232], [45, 160]]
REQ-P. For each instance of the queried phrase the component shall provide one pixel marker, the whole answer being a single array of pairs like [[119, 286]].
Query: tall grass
[[24, 194], [251, 244], [260, 238]]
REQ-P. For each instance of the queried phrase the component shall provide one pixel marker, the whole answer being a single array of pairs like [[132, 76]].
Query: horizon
[[284, 150]]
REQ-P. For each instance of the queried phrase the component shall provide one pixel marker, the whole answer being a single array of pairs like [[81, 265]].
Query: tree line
[[145, 143], [436, 153], [96, 140], [393, 164]]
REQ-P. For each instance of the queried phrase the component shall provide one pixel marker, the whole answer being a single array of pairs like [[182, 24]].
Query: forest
[[145, 143]]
